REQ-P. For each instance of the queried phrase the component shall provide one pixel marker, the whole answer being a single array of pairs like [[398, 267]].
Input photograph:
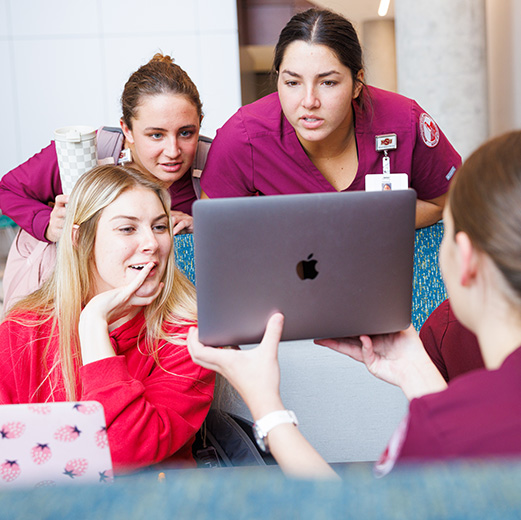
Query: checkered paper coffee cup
[[76, 150]]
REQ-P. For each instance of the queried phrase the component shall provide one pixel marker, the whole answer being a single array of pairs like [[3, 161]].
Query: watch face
[[259, 438]]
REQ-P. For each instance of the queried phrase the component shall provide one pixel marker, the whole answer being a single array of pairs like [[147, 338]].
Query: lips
[[140, 267], [171, 167], [311, 122]]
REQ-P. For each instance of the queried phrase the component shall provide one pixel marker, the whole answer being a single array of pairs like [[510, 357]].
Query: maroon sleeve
[[26, 191], [432, 334], [182, 194], [452, 347], [150, 420], [229, 168], [434, 159]]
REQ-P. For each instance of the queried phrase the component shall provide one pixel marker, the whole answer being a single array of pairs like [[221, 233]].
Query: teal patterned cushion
[[428, 287], [184, 255]]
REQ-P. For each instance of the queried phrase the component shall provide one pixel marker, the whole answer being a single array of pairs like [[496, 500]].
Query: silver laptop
[[335, 264]]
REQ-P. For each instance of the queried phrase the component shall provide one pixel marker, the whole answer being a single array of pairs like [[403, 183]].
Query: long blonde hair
[[62, 298]]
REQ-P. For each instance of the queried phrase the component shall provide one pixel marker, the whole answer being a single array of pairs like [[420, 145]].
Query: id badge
[[392, 181]]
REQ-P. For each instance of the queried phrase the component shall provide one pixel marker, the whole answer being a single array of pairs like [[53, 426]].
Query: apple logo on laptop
[[306, 269]]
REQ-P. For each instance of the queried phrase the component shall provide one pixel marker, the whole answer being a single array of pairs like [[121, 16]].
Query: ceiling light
[[384, 7]]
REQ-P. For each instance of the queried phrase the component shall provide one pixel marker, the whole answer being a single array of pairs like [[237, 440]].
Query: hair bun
[[163, 58]]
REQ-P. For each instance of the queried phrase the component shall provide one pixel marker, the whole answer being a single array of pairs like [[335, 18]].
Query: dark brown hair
[[485, 203], [322, 27], [159, 76]]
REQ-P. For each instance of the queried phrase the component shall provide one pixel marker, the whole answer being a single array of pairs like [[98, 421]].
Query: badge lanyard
[[383, 144], [386, 166]]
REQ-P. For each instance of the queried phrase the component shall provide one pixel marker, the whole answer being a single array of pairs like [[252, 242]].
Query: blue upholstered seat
[[428, 289], [184, 255], [428, 286], [479, 491]]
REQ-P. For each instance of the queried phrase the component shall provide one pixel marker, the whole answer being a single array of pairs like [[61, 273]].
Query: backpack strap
[[227, 440], [109, 143], [203, 147]]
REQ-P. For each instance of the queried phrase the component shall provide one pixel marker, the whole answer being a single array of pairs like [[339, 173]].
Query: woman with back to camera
[[317, 133], [478, 415], [110, 323], [159, 135]]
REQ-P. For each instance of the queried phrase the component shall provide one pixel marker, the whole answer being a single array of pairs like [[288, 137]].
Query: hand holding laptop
[[398, 358], [255, 374]]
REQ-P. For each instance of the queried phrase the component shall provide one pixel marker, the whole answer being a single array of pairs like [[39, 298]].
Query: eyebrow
[[135, 219], [321, 75], [158, 129]]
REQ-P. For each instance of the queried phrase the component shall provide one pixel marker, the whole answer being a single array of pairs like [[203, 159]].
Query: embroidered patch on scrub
[[429, 130]]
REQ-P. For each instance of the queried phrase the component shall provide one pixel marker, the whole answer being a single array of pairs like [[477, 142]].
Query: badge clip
[[125, 156], [386, 142]]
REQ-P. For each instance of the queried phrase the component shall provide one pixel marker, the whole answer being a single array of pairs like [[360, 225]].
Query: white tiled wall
[[65, 62], [4, 26]]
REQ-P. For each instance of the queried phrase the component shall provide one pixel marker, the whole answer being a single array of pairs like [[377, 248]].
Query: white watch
[[263, 426]]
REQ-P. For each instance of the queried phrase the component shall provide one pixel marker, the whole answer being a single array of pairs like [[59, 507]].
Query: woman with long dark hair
[[325, 130]]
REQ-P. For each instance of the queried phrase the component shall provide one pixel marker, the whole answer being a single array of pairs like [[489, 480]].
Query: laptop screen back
[[335, 264]]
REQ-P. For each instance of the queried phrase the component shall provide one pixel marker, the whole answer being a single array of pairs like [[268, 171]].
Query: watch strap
[[264, 425]]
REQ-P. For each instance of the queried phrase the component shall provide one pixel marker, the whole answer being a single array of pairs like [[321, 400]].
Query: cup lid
[[74, 134]]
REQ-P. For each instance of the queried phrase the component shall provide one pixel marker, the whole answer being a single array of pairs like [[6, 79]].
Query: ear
[[74, 233], [467, 257], [359, 83], [127, 132]]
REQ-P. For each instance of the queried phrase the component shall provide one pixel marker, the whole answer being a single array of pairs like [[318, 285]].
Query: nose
[[310, 99], [172, 149], [149, 243]]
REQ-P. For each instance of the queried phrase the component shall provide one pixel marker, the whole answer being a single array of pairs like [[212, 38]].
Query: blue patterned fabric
[[428, 287], [184, 255]]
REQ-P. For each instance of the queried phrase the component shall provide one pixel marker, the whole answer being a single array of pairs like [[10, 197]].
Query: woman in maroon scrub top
[[159, 136], [479, 413], [318, 132]]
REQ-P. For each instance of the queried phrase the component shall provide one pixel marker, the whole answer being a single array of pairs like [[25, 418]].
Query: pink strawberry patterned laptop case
[[50, 444]]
